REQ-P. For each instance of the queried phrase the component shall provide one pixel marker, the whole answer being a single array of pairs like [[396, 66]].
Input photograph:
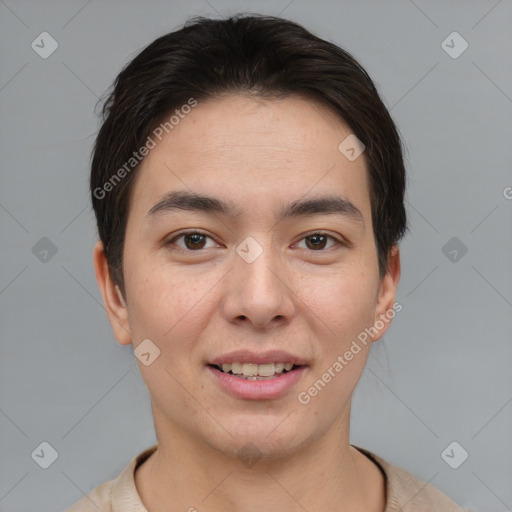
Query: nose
[[259, 292]]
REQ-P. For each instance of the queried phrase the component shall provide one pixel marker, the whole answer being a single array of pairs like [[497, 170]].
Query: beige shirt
[[404, 492]]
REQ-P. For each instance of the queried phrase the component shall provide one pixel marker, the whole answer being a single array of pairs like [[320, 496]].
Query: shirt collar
[[125, 496]]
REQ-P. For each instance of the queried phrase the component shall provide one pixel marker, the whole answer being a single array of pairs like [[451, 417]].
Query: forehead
[[252, 151]]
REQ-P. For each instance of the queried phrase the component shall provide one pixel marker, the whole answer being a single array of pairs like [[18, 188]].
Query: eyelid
[[340, 240], [181, 234]]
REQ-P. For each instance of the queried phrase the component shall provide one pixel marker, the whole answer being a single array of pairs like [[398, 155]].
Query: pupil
[[195, 238], [317, 237]]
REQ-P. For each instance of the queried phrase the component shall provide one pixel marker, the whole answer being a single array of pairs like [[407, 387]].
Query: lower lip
[[258, 389]]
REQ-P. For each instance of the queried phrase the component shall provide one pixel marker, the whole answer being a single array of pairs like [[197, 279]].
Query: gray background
[[443, 372]]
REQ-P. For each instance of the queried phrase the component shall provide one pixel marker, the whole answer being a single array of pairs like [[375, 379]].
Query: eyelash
[[185, 233]]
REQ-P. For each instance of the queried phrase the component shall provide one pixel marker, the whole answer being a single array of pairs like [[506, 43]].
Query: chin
[[257, 442]]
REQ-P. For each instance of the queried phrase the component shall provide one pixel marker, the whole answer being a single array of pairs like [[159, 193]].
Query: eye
[[193, 240], [317, 241]]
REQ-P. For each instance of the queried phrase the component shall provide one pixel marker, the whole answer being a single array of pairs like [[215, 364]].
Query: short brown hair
[[262, 55]]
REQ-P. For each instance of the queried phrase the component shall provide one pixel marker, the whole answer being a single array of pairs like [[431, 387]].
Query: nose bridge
[[258, 266], [258, 290]]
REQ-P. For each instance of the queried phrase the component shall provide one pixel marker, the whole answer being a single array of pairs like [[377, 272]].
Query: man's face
[[303, 286]]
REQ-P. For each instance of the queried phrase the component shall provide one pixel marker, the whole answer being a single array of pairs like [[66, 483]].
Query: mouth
[[253, 371], [257, 381], [256, 375]]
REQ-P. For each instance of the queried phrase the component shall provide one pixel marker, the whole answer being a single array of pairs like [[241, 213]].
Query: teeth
[[279, 367], [249, 369], [252, 371], [236, 368], [266, 370]]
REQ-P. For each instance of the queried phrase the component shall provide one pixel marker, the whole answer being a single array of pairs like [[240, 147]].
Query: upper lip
[[246, 356]]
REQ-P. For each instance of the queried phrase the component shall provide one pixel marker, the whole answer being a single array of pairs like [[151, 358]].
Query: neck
[[324, 474]]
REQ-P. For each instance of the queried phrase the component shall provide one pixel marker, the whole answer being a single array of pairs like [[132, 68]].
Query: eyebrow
[[325, 205]]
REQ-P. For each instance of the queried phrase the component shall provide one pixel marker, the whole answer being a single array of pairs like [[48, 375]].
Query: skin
[[200, 304]]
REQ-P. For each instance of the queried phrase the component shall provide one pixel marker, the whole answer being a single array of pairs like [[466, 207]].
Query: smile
[[249, 383], [253, 371]]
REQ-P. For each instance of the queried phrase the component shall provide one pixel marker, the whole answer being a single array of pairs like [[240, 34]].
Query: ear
[[386, 309], [115, 305]]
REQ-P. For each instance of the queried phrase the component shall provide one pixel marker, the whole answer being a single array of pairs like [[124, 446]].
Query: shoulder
[[405, 493], [100, 498], [119, 494]]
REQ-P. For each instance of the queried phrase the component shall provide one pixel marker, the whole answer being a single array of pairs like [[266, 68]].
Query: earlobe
[[115, 305], [385, 308]]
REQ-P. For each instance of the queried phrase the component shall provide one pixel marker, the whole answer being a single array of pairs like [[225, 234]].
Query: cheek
[[342, 309], [171, 310], [168, 305], [343, 304]]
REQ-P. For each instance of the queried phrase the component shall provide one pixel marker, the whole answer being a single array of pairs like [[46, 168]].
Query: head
[[232, 219]]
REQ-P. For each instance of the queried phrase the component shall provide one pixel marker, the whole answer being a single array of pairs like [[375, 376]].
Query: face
[[259, 282]]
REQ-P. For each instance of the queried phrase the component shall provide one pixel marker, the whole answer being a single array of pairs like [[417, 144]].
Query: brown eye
[[192, 241], [318, 241], [196, 241]]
